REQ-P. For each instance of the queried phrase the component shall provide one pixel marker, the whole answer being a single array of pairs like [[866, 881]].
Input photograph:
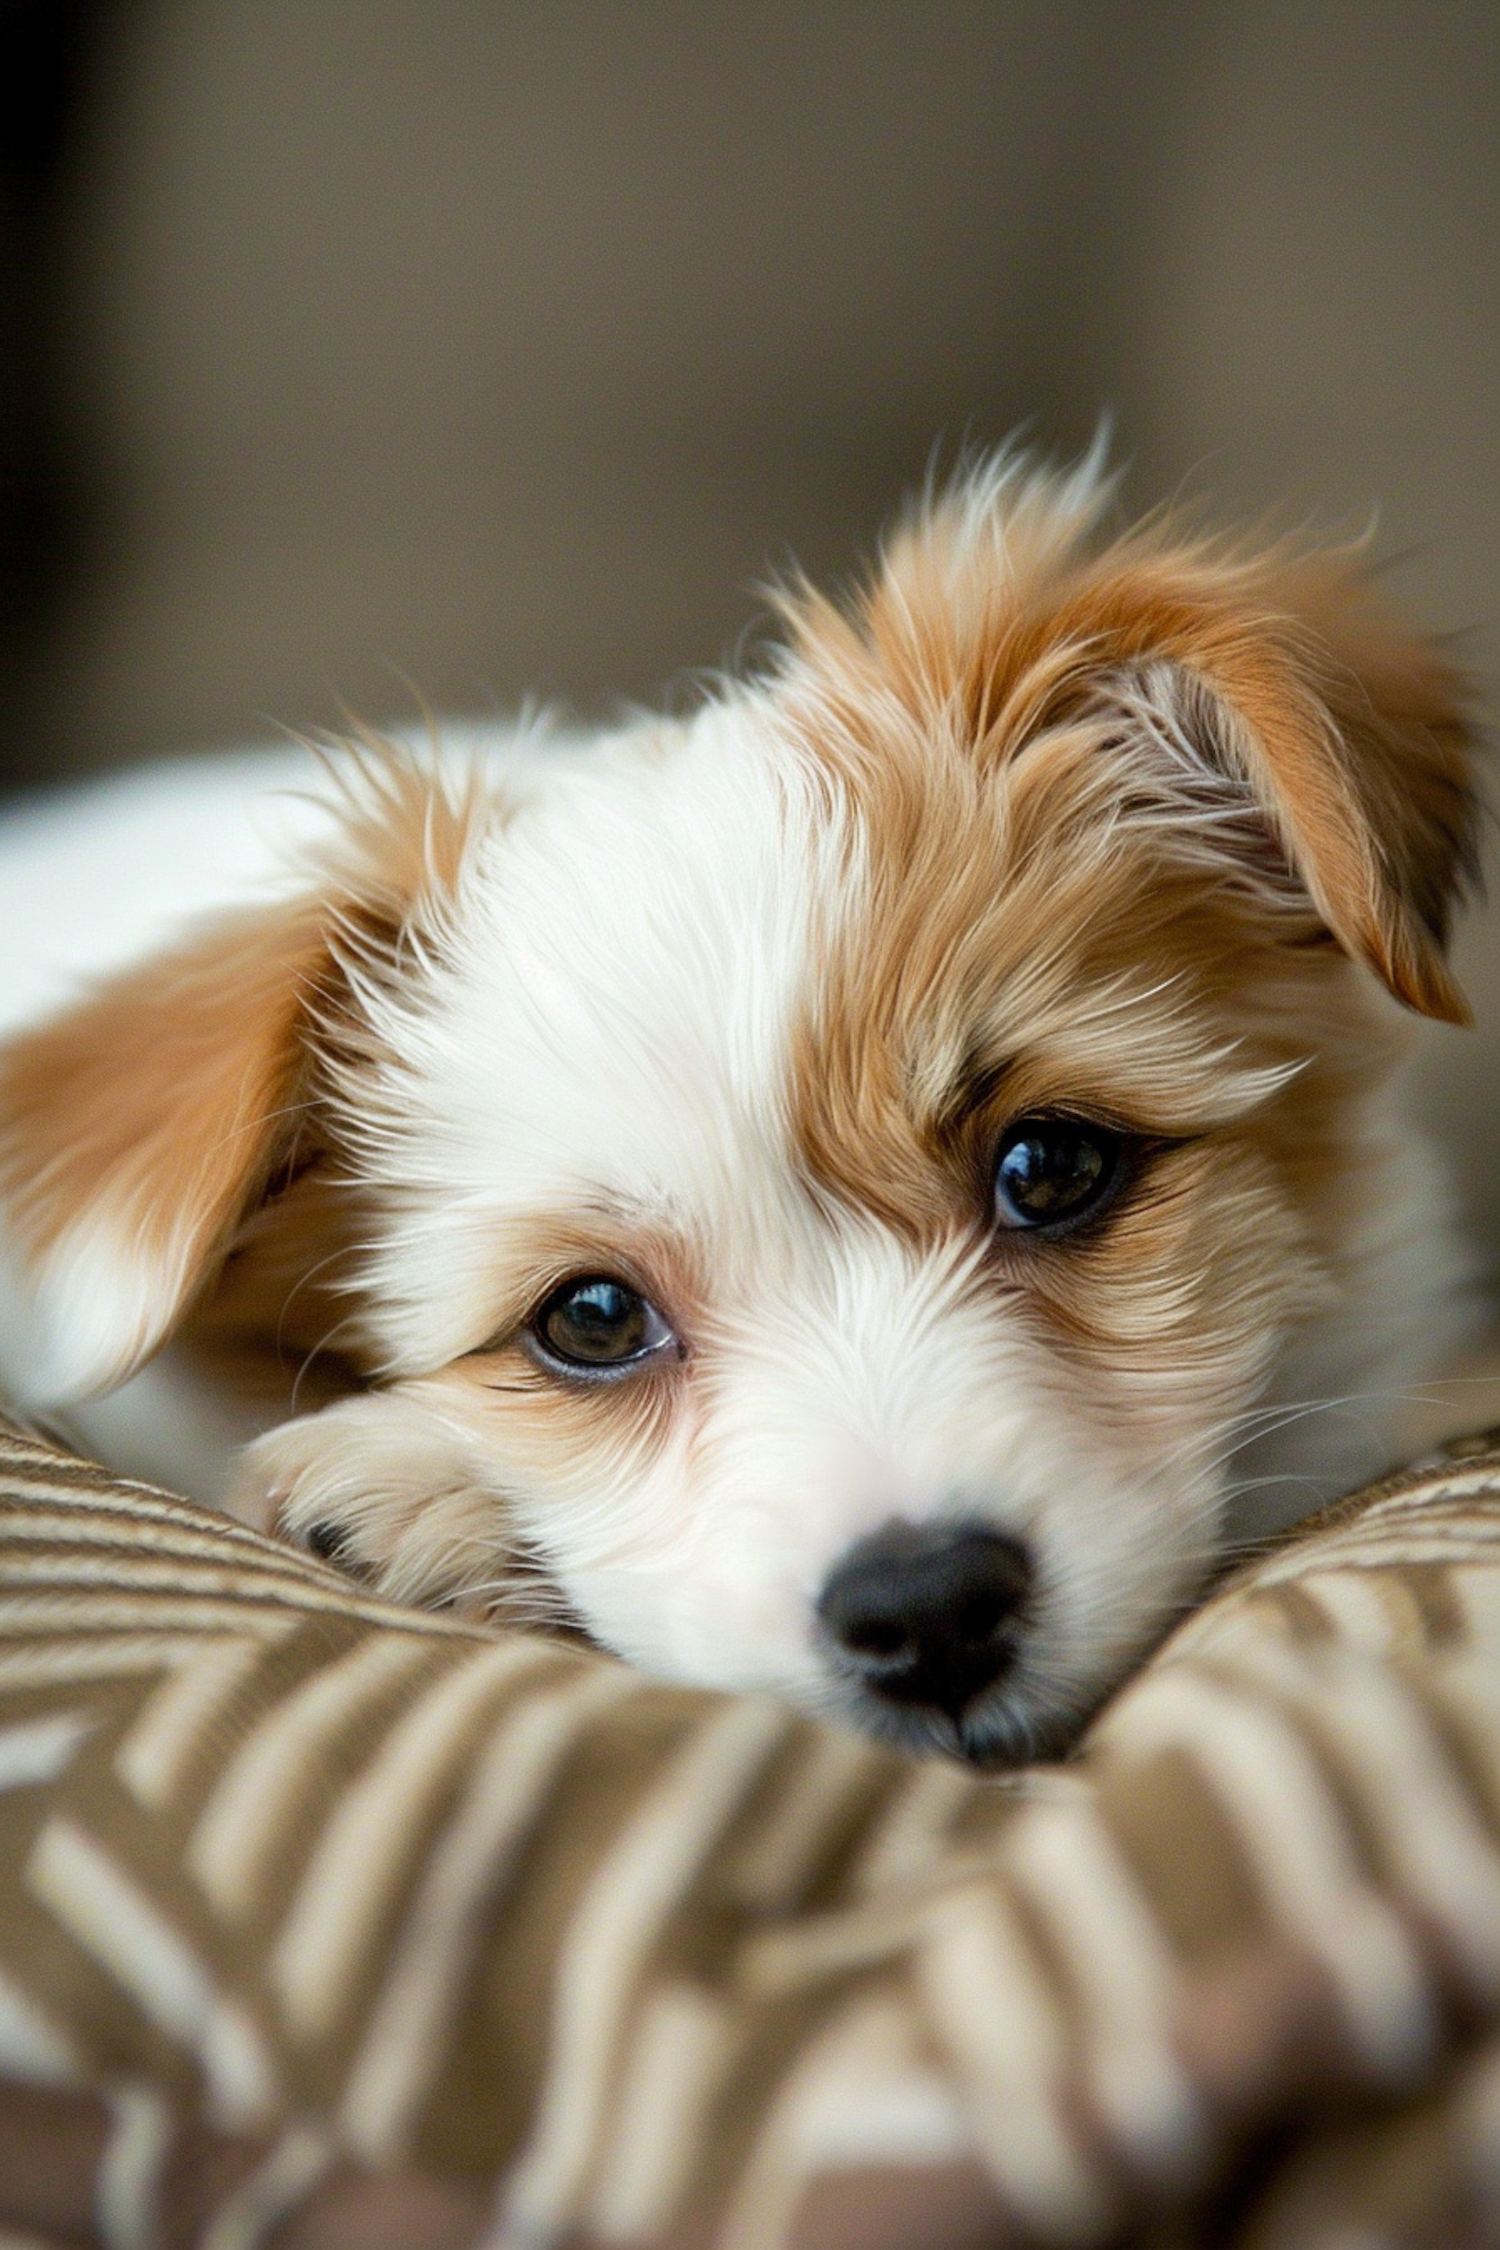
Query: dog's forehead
[[706, 958], [702, 1000], [699, 953], [634, 950]]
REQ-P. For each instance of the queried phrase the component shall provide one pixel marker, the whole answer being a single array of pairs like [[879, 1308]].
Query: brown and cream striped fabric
[[323, 1924]]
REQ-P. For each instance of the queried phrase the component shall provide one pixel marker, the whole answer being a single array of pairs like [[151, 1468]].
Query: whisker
[[322, 1345]]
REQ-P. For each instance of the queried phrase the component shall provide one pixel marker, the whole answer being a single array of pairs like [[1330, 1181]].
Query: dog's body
[[863, 1190]]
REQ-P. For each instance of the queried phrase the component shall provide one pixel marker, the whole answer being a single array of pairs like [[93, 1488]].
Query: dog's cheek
[[1174, 1314]]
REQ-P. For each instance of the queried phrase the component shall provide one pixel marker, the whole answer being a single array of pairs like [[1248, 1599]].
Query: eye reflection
[[598, 1324], [1053, 1172]]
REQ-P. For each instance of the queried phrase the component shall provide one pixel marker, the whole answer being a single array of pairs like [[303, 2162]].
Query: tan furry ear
[[1354, 739], [138, 1128], [135, 1129], [1405, 716], [995, 607]]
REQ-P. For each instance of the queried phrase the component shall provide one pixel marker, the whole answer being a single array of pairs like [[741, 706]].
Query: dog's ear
[[139, 1128], [1354, 740], [1351, 736]]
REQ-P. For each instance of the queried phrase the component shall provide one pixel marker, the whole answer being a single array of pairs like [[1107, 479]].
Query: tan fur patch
[[179, 1100], [166, 1097], [1351, 735]]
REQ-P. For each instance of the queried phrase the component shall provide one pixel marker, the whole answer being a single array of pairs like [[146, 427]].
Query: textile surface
[[330, 1926]]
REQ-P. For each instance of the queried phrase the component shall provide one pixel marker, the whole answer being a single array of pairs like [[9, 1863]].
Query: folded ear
[[139, 1128], [136, 1128], [1352, 737]]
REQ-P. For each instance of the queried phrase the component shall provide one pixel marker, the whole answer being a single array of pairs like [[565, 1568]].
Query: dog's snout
[[928, 1614]]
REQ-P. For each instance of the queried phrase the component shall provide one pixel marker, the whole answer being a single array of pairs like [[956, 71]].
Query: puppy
[[865, 1191]]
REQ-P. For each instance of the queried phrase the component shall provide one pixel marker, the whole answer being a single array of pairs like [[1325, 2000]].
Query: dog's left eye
[[1053, 1172], [596, 1322]]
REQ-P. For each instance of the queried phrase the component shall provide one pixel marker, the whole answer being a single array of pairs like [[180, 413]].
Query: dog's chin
[[1005, 1728]]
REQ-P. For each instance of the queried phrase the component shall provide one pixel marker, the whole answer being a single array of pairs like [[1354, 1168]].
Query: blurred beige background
[[500, 349]]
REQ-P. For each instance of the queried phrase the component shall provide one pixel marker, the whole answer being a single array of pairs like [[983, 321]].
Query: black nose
[[928, 1614]]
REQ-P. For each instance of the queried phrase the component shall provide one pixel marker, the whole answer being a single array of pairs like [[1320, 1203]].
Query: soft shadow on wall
[[501, 350]]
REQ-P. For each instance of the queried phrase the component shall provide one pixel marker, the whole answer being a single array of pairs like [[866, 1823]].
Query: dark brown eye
[[599, 1323], [1053, 1172]]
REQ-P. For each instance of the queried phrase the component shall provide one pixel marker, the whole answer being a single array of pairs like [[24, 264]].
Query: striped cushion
[[328, 1924]]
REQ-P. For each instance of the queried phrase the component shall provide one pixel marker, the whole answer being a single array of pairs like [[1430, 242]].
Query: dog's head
[[826, 1180]]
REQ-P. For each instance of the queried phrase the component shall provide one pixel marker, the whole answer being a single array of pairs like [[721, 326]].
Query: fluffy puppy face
[[819, 1187]]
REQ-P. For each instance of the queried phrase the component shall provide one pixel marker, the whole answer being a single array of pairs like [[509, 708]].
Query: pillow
[[332, 1925]]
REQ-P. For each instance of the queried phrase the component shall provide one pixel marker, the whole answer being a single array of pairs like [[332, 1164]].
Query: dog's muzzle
[[928, 1616]]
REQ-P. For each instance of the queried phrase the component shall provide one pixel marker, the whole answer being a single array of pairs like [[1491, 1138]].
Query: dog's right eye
[[1052, 1173], [597, 1323]]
